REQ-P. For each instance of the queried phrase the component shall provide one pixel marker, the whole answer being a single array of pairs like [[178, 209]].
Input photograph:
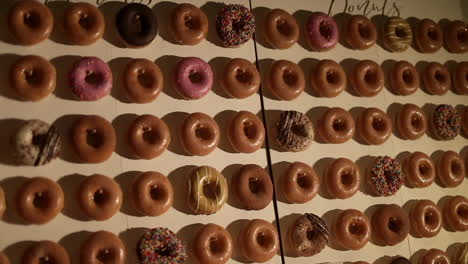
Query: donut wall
[[320, 154]]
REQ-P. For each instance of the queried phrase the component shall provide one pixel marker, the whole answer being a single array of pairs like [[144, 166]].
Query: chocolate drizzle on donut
[[295, 131], [49, 146], [319, 226]]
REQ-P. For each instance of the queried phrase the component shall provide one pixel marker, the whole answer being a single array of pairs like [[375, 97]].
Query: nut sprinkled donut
[[143, 81], [374, 126], [445, 122], [33, 78], [390, 224], [456, 213], [207, 190], [280, 29], [411, 122], [160, 246], [199, 134], [428, 36], [252, 187], [299, 183], [294, 131], [461, 256], [397, 34], [367, 78], [435, 256], [152, 193], [426, 218], [419, 170], [102, 247], [240, 78], [83, 23], [99, 196], [321, 32], [285, 80], [136, 24], [30, 22], [403, 78], [308, 235], [328, 78], [351, 229], [93, 139], [235, 25], [35, 143], [193, 78], [360, 32], [90, 79], [212, 245], [336, 126], [343, 178], [456, 37], [148, 136], [451, 169], [258, 240], [45, 251], [385, 176], [188, 25], [436, 79], [246, 132], [2, 204], [459, 76], [39, 200], [4, 259]]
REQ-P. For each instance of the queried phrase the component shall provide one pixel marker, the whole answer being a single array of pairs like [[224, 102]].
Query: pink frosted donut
[[321, 32], [90, 79], [193, 78]]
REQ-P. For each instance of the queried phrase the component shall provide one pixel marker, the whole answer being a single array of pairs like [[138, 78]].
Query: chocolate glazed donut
[[419, 170], [336, 126], [258, 240], [246, 132], [435, 256], [360, 32], [411, 122], [45, 252], [102, 247], [152, 193], [450, 169], [343, 178], [390, 224], [426, 218], [188, 25], [460, 78], [286, 80], [367, 78], [281, 29], [240, 78], [299, 183], [136, 25], [308, 235], [456, 37], [212, 245], [374, 126], [351, 229], [403, 78], [252, 187], [456, 213], [328, 78], [83, 23], [143, 81], [428, 36], [148, 136], [436, 79]]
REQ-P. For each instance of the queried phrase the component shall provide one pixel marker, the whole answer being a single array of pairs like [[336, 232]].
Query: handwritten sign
[[365, 7], [100, 2]]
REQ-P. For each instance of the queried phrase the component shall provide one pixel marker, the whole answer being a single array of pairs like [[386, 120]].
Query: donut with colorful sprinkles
[[386, 176], [446, 122], [161, 246], [235, 25]]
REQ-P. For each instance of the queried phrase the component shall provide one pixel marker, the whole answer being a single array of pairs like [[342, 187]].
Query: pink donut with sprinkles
[[193, 78], [161, 246], [235, 25], [90, 79], [385, 176], [446, 122], [321, 32]]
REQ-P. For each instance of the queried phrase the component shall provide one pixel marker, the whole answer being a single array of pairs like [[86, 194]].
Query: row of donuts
[[257, 241], [390, 224], [33, 78], [235, 24]]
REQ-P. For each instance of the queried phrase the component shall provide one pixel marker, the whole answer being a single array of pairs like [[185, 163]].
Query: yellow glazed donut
[[397, 34], [207, 190]]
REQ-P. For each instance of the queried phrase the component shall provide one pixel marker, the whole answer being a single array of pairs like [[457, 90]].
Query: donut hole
[[41, 200], [431, 218], [339, 125], [100, 197], [136, 24], [47, 260], [356, 228], [93, 138], [191, 23], [370, 77], [203, 133], [388, 176], [439, 76], [347, 179], [250, 131], [32, 19], [144, 79], [93, 78], [400, 32], [424, 170], [407, 77], [39, 139], [456, 167], [364, 31], [462, 211], [303, 181], [255, 185], [299, 130], [462, 35], [243, 76], [150, 136], [265, 239], [157, 193], [416, 123], [332, 77], [289, 78], [105, 255], [325, 29], [33, 76], [432, 34], [238, 26], [394, 224], [164, 251], [217, 244], [378, 124], [195, 77], [86, 21], [211, 190], [283, 27]]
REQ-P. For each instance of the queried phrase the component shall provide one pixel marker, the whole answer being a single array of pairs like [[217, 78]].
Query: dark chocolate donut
[[136, 24]]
